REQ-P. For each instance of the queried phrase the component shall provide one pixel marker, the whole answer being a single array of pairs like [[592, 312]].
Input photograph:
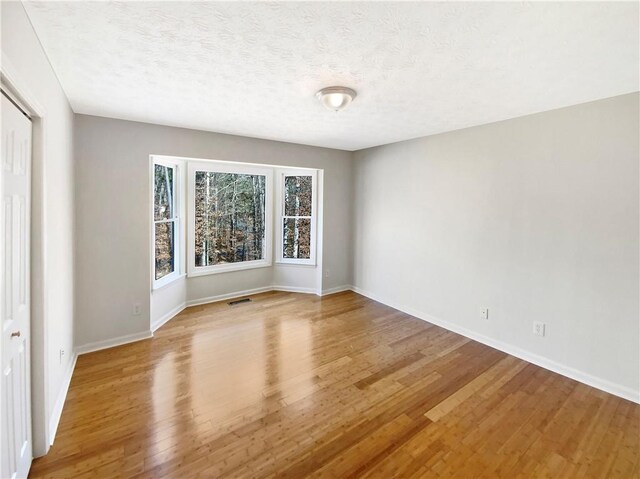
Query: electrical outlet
[[137, 309], [538, 328], [484, 313], [61, 354], [326, 273]]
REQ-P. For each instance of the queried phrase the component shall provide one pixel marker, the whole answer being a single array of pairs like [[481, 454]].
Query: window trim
[[178, 270], [281, 173], [237, 168]]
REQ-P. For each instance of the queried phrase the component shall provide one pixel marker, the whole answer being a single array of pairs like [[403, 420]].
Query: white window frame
[[281, 173], [237, 168], [178, 238]]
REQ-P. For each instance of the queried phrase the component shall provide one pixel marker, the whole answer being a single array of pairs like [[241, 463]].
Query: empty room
[[320, 239]]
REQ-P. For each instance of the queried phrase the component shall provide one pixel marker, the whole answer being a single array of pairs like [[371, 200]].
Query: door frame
[[18, 87]]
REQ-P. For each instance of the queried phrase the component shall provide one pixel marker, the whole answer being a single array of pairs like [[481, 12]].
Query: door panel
[[14, 235]]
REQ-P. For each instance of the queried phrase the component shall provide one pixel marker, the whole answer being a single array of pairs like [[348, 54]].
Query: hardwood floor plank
[[384, 372], [293, 385]]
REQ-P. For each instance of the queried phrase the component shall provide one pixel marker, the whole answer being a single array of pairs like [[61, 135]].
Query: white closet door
[[15, 218]]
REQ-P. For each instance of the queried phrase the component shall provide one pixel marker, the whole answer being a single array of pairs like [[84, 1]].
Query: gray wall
[[112, 215], [53, 203], [535, 218]]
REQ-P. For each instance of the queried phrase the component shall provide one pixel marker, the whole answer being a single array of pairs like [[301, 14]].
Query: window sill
[[170, 281], [295, 263], [229, 268]]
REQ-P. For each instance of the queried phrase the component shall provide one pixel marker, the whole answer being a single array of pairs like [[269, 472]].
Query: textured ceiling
[[419, 68]]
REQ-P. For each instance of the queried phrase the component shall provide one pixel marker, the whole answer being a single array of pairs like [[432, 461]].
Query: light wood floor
[[297, 386]]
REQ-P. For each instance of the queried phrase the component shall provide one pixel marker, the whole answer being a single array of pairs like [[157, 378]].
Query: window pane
[[229, 218], [297, 238], [164, 249], [297, 195], [163, 192]]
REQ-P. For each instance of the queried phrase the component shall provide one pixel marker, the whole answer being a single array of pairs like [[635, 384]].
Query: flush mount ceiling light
[[336, 97]]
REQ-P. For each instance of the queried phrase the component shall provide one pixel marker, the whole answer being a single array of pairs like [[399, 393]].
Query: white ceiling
[[419, 68]]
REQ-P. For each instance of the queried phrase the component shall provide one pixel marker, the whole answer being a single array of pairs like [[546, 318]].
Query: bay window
[[232, 221]]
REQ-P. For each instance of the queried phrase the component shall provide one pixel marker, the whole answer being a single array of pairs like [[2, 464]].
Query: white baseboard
[[337, 289], [174, 312], [294, 289], [572, 373], [248, 292], [221, 297], [111, 343], [56, 414]]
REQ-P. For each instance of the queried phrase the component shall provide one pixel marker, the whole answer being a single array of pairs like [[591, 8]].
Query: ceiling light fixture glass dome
[[336, 97]]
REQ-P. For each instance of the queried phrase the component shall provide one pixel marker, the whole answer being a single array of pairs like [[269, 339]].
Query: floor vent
[[238, 301]]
